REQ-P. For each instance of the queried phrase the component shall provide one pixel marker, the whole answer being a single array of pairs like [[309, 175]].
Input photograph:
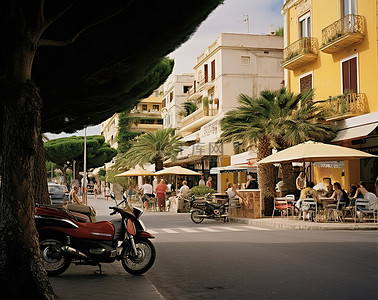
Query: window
[[305, 25], [170, 96], [186, 88], [348, 7], [213, 70], [349, 75], [205, 70], [155, 107], [164, 102], [144, 107], [245, 60]]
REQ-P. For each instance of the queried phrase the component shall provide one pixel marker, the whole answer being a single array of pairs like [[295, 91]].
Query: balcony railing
[[200, 113], [301, 52], [204, 84], [345, 32], [345, 106], [193, 94]]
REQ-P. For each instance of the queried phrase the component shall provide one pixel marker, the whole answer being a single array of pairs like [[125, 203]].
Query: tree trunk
[[159, 165], [265, 176], [40, 175], [288, 179], [21, 269]]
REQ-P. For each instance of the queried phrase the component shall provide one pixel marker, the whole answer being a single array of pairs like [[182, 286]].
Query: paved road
[[216, 260]]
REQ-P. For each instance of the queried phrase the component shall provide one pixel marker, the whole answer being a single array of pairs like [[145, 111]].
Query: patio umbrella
[[176, 170], [136, 172], [314, 151]]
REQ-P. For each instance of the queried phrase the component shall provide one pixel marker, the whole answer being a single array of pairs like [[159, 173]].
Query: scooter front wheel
[[143, 261], [195, 218], [54, 260]]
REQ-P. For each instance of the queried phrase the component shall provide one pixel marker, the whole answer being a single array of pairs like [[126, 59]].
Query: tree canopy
[[64, 151]]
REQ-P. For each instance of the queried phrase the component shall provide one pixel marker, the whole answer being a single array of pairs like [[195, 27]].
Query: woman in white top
[[232, 192]]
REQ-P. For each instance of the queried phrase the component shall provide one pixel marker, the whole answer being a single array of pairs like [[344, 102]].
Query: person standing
[[95, 189], [161, 190], [146, 193], [107, 191], [208, 183], [251, 183], [301, 181], [202, 180]]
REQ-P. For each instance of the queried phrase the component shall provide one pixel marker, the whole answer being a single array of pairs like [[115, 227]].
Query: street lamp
[[85, 167]]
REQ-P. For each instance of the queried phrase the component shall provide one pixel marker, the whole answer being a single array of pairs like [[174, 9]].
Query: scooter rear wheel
[[143, 261], [54, 260], [195, 218]]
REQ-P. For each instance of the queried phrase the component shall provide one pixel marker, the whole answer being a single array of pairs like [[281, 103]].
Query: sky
[[263, 16]]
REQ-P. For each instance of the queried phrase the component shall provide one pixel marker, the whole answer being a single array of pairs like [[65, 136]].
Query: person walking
[[202, 180], [208, 183], [107, 191], [161, 190]]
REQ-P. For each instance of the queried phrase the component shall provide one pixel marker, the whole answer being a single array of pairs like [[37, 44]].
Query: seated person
[[339, 194], [184, 190], [251, 183], [232, 192], [308, 192], [329, 192]]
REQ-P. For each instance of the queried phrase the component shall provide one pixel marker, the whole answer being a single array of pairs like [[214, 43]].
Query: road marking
[[188, 230], [256, 228], [231, 228], [169, 230], [208, 229], [152, 231]]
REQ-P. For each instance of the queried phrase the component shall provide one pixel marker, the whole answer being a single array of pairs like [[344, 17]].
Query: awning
[[355, 132], [233, 169]]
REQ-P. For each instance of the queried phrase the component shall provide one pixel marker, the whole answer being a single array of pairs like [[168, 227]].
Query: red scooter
[[66, 238]]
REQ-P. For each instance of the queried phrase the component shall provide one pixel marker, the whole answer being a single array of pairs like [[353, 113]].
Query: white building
[[232, 65], [175, 93]]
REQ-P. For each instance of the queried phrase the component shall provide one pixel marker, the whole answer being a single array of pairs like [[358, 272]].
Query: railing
[[301, 46], [198, 114], [345, 105], [348, 24]]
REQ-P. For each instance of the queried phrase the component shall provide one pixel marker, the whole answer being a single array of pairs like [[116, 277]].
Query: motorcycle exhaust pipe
[[73, 251]]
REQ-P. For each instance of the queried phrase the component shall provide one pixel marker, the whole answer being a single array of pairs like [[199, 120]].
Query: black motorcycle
[[205, 209]]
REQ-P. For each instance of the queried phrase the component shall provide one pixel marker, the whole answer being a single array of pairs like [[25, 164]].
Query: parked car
[[58, 193]]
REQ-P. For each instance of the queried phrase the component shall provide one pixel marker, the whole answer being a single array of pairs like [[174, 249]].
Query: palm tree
[[276, 119], [154, 147]]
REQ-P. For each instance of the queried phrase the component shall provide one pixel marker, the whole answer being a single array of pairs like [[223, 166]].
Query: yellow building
[[332, 46]]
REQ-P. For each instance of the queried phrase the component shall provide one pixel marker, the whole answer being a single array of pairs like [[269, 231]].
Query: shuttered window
[[213, 70], [305, 83], [349, 76]]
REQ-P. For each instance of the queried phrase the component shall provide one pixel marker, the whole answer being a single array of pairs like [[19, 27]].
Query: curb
[[297, 225]]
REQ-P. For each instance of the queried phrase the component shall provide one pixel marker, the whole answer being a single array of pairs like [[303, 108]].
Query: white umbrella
[[135, 172], [176, 170], [314, 151]]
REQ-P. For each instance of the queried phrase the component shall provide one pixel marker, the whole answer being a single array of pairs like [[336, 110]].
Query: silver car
[[58, 193]]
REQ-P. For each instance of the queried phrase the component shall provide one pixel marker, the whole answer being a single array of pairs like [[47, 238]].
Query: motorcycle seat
[[83, 209], [216, 205]]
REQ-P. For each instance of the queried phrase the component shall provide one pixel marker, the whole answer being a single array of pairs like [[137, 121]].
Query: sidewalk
[[294, 224], [283, 223], [85, 282]]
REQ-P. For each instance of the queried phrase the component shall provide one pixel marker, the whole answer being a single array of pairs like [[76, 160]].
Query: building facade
[[175, 93], [233, 64], [332, 46]]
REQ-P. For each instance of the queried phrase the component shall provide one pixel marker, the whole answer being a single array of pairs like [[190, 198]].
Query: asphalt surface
[[216, 260]]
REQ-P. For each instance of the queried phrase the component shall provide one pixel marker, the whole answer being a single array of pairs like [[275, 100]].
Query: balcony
[[345, 106], [198, 118], [343, 33], [300, 53], [194, 94], [204, 85]]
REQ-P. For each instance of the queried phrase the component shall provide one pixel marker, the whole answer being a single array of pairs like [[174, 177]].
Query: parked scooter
[[205, 209], [65, 238]]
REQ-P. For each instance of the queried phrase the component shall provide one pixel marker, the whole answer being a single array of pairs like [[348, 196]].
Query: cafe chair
[[291, 200], [336, 211], [281, 204], [365, 207], [310, 207]]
